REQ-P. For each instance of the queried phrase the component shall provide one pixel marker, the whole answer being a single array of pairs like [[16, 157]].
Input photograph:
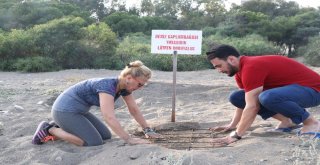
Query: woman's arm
[[134, 110], [137, 115], [107, 109]]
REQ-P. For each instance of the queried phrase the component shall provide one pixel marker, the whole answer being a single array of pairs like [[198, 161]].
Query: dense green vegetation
[[47, 35]]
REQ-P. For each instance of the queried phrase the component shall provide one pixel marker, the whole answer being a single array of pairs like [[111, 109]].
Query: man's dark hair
[[222, 52]]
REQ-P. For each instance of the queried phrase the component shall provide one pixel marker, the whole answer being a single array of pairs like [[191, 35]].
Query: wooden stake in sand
[[174, 63], [184, 41]]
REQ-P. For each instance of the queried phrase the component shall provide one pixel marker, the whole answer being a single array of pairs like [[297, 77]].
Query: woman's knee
[[106, 137], [96, 142]]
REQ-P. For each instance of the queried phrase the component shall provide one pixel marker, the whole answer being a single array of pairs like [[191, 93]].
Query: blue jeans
[[290, 101]]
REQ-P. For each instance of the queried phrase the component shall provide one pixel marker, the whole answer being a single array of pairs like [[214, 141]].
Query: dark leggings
[[86, 126]]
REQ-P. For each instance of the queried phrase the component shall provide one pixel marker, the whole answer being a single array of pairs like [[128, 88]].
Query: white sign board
[[182, 41]]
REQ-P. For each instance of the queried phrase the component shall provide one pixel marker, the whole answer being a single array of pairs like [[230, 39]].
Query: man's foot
[[285, 129], [42, 134], [286, 124], [310, 125]]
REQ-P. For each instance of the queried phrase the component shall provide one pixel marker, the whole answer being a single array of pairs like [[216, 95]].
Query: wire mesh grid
[[193, 139]]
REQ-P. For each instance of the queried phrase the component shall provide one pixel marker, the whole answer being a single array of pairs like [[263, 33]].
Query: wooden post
[[174, 62]]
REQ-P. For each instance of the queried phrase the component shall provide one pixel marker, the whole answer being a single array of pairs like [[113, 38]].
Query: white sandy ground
[[26, 99]]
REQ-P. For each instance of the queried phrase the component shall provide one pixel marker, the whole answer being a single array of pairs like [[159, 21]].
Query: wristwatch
[[234, 134], [148, 130]]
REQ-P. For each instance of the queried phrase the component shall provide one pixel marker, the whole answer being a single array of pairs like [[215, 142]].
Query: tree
[[123, 23], [267, 7], [27, 14], [102, 41], [307, 26], [311, 51], [167, 9], [15, 44], [213, 13], [147, 7], [59, 40], [93, 6], [272, 8], [287, 9]]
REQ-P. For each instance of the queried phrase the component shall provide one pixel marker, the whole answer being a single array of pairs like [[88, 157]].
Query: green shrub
[[100, 43], [157, 62], [7, 65], [164, 62], [207, 31], [16, 44], [113, 62], [133, 46], [249, 45], [190, 63], [311, 52], [35, 64]]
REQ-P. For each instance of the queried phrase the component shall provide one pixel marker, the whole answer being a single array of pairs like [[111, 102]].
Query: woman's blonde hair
[[136, 69]]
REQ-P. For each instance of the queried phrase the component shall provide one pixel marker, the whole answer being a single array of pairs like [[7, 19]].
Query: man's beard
[[232, 70]]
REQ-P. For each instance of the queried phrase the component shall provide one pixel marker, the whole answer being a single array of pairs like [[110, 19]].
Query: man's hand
[[224, 128], [222, 142]]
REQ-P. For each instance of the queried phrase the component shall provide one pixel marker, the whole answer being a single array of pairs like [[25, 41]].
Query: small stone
[[18, 107], [135, 155], [1, 127], [139, 101], [58, 159], [40, 102]]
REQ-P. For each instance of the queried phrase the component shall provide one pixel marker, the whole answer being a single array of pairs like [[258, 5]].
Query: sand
[[201, 99]]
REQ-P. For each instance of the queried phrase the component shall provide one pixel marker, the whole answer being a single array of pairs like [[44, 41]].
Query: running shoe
[[42, 134]]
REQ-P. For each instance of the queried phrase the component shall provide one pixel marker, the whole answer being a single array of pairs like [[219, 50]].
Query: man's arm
[[236, 118], [250, 110], [232, 125], [248, 115]]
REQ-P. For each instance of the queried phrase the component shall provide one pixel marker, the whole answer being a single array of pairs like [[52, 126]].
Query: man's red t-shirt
[[273, 71]]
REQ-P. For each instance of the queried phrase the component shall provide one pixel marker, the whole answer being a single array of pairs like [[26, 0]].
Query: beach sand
[[201, 99]]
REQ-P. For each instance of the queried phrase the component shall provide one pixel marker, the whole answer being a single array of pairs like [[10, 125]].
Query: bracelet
[[148, 130]]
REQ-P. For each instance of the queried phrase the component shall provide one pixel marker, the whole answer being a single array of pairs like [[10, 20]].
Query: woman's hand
[[153, 135], [224, 128], [150, 133]]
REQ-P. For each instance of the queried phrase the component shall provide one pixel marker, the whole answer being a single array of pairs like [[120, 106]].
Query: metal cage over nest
[[184, 136]]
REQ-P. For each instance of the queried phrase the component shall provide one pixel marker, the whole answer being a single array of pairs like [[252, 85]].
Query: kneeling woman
[[75, 124]]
